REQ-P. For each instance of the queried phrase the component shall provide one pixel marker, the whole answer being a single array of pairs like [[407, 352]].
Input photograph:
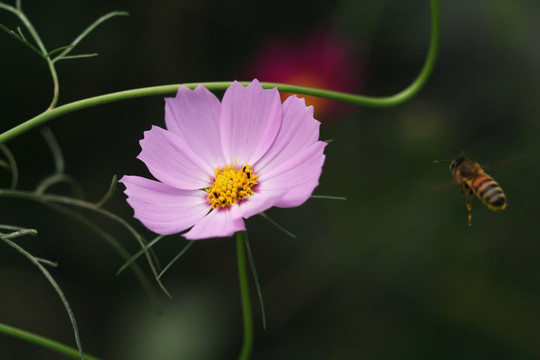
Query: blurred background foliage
[[392, 273]]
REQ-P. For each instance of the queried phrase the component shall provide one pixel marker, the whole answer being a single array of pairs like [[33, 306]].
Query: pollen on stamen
[[230, 185]]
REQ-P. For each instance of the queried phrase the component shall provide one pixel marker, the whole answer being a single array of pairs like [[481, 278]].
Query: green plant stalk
[[178, 256], [56, 85], [255, 278], [88, 30], [86, 205], [247, 345], [17, 11], [45, 272], [111, 241], [20, 14], [43, 341], [11, 165], [380, 102]]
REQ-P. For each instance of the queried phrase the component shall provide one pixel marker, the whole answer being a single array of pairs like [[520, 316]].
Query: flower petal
[[218, 223], [260, 201], [162, 208], [172, 162], [298, 176], [298, 130], [193, 115], [250, 120]]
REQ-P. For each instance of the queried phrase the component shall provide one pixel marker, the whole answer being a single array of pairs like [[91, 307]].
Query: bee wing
[[496, 164], [442, 185]]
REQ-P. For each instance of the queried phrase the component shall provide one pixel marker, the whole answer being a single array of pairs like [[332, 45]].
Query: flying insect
[[472, 179]]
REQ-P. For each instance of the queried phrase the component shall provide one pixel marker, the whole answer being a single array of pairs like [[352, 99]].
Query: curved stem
[[31, 30], [49, 198], [52, 69], [56, 85], [42, 341], [50, 279], [247, 345], [35, 35], [387, 101]]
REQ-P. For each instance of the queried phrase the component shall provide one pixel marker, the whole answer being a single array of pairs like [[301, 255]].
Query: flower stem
[[42, 49], [43, 341], [247, 346], [381, 102]]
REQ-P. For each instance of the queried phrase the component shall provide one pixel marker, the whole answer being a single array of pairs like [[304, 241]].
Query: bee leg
[[467, 193], [469, 209]]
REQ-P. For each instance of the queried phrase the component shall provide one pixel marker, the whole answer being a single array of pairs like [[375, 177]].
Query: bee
[[472, 179]]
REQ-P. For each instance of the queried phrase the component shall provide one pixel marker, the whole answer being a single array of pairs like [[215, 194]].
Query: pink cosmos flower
[[221, 162]]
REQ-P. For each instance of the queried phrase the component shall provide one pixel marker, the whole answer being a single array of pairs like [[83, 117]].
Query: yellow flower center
[[231, 184]]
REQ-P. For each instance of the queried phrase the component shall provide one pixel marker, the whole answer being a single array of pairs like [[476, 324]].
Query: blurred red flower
[[321, 60]]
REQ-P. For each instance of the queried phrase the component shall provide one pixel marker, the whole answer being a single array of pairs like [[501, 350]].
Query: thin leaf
[[53, 179], [186, 248], [110, 192], [89, 29], [47, 262], [46, 198], [56, 151], [42, 341], [59, 165], [255, 279], [21, 39], [12, 165], [18, 232], [35, 261], [8, 7], [328, 197], [271, 221], [71, 57], [21, 34], [139, 253], [11, 228], [58, 50], [115, 244]]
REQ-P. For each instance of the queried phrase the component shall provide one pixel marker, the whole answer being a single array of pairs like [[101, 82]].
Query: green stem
[[31, 30], [45, 272], [43, 341], [48, 198], [35, 35], [56, 84], [247, 346], [380, 102]]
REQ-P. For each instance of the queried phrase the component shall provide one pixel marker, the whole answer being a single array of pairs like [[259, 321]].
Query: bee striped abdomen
[[489, 192], [472, 179]]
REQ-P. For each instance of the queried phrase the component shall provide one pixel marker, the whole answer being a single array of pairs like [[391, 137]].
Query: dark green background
[[392, 273]]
